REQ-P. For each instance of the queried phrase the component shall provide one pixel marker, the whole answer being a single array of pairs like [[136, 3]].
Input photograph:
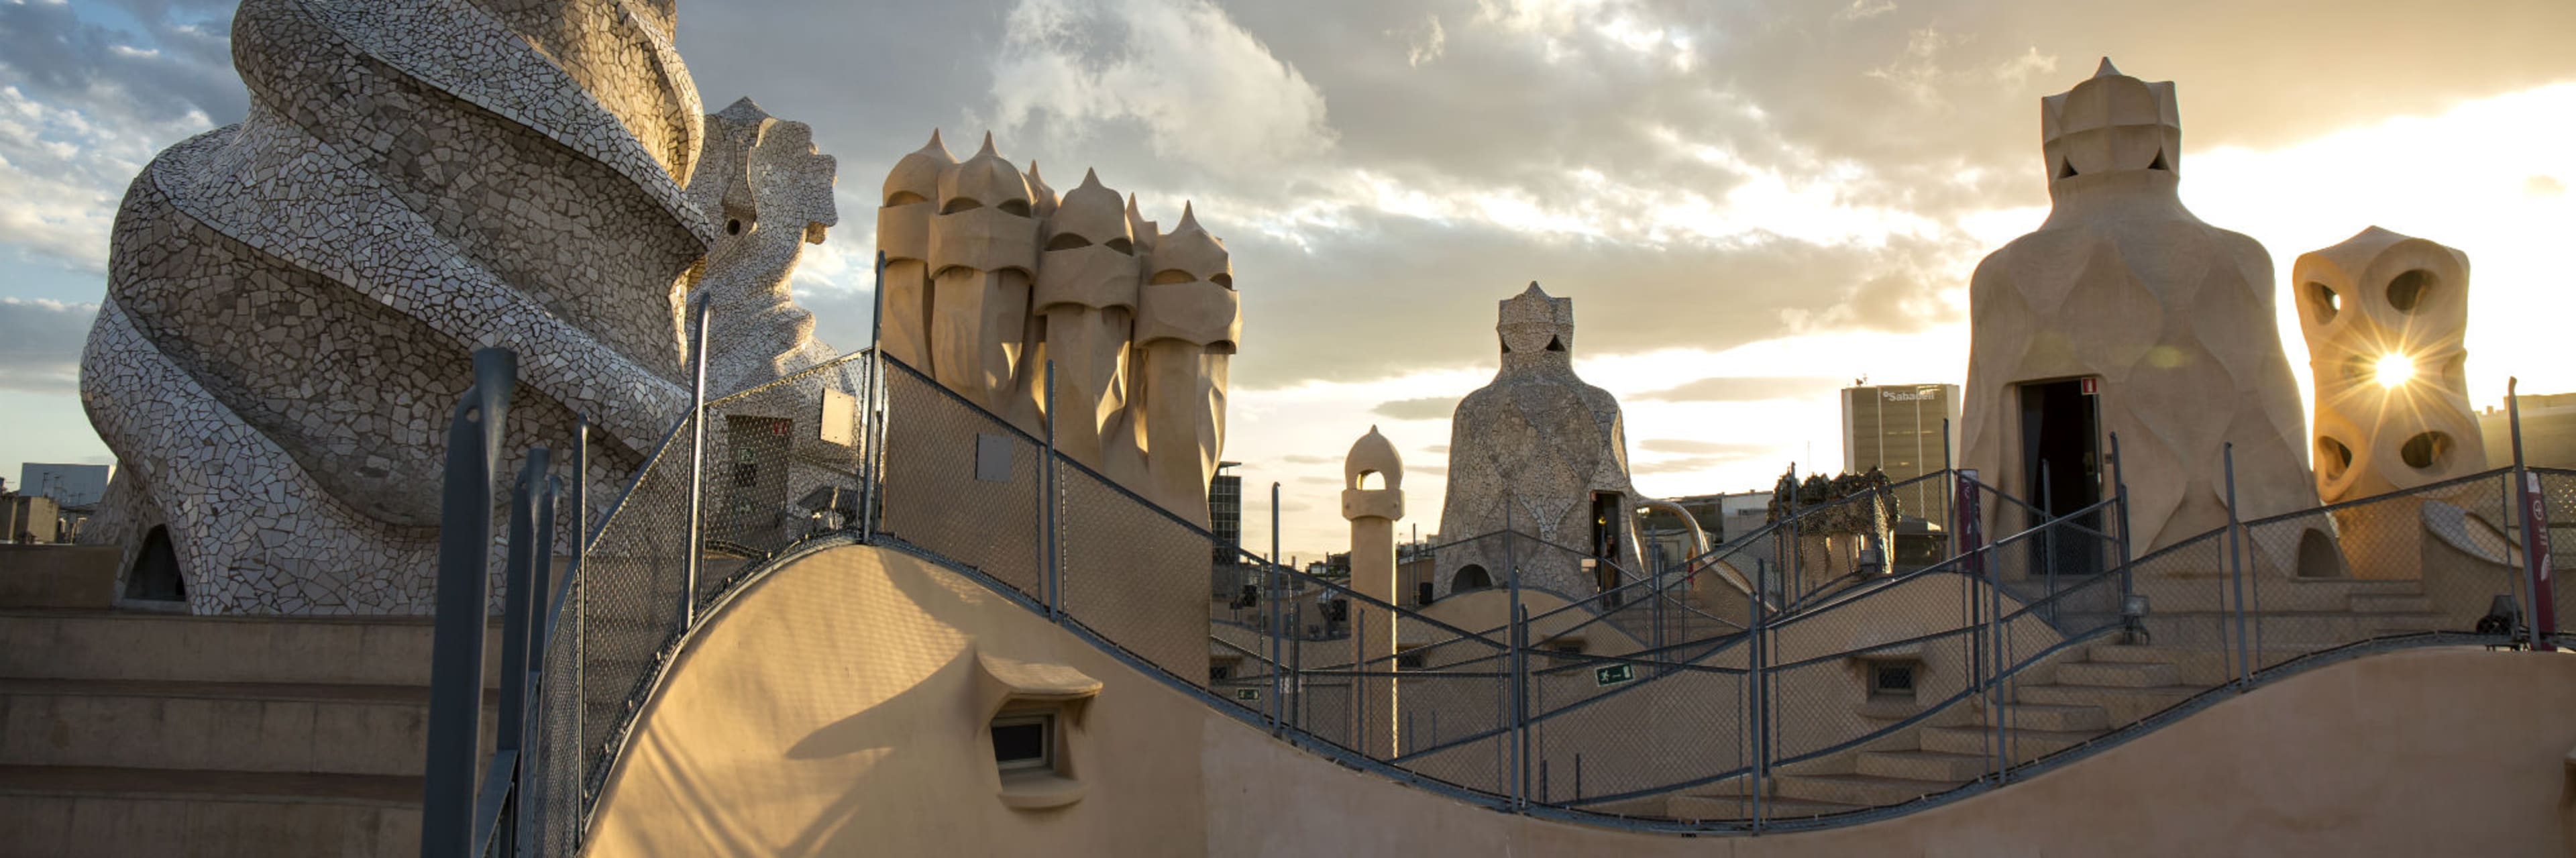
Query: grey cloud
[[1743, 389], [1425, 408], [1438, 448], [1308, 459], [181, 63], [841, 317], [1394, 294], [1320, 481], [40, 344], [1691, 463]]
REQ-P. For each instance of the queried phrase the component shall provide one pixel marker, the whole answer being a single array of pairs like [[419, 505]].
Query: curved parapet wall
[[840, 705], [292, 300]]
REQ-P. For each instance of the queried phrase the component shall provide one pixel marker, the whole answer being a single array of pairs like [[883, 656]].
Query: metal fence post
[[517, 601], [474, 436], [1997, 663], [2236, 571], [1752, 727], [540, 636], [1949, 500], [869, 429], [1278, 634], [1520, 699], [2120, 502], [579, 596], [1512, 659], [2048, 541], [2534, 511], [1048, 501], [697, 464]]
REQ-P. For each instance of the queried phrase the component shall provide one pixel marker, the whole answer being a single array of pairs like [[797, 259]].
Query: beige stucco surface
[[830, 710]]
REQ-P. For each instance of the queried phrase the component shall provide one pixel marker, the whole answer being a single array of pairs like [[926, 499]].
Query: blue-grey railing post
[[1656, 602], [541, 569], [1520, 701], [1753, 700], [580, 488], [2532, 506], [1296, 666], [2048, 541], [1519, 670], [1278, 632], [578, 596], [694, 547], [2120, 505], [456, 653], [1997, 663], [517, 602], [2236, 569], [540, 636], [869, 469], [1949, 499], [1048, 501]]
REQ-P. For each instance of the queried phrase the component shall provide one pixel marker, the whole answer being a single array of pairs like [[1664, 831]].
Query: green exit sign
[[1247, 695], [1614, 675]]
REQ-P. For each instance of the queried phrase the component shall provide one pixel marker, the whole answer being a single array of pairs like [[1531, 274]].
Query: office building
[[1897, 428]]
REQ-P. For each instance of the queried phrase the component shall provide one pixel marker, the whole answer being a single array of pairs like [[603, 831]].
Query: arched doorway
[[155, 576], [1470, 577]]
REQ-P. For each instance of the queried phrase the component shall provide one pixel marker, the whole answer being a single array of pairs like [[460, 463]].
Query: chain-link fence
[[1808, 670], [770, 466]]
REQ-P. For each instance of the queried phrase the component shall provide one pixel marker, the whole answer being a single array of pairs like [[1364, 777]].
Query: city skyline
[[1809, 187]]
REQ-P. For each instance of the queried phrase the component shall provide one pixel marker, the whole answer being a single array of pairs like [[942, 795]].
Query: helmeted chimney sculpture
[[2386, 320], [2167, 318], [1542, 453], [990, 276]]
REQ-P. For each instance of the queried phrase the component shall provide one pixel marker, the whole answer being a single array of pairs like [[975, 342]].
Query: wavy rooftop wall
[[832, 708]]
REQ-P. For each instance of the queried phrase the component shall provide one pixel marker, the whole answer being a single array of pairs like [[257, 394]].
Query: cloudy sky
[[1751, 202]]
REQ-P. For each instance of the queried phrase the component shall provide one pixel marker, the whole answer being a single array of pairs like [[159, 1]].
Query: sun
[[2395, 369]]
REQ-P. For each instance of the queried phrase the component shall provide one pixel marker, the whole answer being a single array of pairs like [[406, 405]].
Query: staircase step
[[1923, 765], [2120, 674], [87, 644], [220, 726], [1720, 808], [87, 810], [2123, 706], [2392, 604], [2168, 595], [2055, 718], [1860, 790], [2132, 654], [2026, 745]]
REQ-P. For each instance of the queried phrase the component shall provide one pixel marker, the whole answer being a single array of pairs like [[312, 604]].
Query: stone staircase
[[130, 732], [2052, 707]]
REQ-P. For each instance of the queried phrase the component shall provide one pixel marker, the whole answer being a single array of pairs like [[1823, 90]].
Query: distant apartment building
[[73, 486], [2548, 431], [1225, 522], [1897, 428], [1724, 517]]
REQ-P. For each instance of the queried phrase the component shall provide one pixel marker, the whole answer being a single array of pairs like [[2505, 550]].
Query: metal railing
[[1670, 699]]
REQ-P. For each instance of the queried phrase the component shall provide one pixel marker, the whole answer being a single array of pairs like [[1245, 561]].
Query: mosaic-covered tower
[[1542, 453], [2125, 314], [770, 194], [292, 301]]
